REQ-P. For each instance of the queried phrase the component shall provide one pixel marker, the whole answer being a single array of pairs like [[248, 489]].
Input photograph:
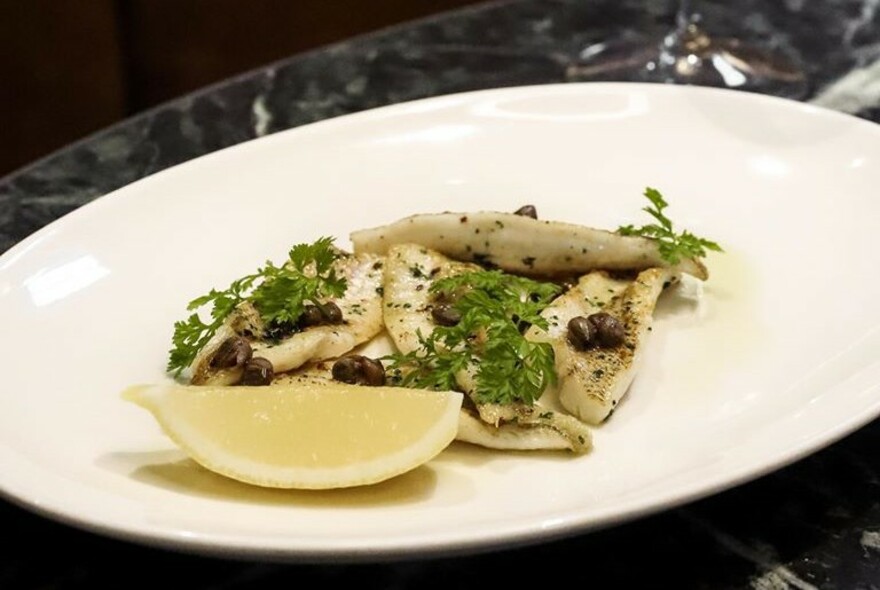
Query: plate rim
[[522, 534]]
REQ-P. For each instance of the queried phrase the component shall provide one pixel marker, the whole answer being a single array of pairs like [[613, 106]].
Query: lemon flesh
[[309, 436]]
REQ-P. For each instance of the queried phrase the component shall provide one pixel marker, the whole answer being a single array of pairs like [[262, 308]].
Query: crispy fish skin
[[409, 272], [362, 319], [520, 244], [592, 382]]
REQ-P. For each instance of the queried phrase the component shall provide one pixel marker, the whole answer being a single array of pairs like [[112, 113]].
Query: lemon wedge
[[308, 436]]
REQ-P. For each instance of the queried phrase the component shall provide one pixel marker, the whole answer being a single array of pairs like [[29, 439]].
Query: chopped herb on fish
[[493, 306], [279, 293]]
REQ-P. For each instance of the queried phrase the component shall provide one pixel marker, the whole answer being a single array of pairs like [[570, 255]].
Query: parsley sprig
[[673, 247], [493, 307], [279, 293]]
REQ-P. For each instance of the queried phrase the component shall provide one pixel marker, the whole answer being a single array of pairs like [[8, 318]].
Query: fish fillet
[[520, 244], [592, 382], [361, 307], [409, 272]]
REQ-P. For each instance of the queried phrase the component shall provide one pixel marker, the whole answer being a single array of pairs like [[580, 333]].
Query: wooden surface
[[72, 67]]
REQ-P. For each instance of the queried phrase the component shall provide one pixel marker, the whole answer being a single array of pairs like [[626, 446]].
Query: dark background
[[71, 67]]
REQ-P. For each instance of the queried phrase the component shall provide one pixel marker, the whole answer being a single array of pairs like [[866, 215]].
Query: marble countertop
[[815, 524]]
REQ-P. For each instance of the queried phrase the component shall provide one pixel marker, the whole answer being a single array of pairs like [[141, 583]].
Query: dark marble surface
[[815, 524]]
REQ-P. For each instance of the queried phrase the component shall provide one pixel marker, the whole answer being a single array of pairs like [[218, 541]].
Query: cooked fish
[[523, 426], [361, 307], [593, 381], [545, 430], [409, 272], [520, 244]]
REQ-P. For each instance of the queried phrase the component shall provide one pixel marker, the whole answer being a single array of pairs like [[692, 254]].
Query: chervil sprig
[[282, 295], [495, 309], [673, 247], [279, 293]]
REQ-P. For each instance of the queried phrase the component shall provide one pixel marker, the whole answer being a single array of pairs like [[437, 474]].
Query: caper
[[445, 315], [315, 315], [233, 352], [257, 371], [331, 313], [311, 316], [608, 331], [374, 372], [359, 370], [527, 211], [580, 332], [347, 369]]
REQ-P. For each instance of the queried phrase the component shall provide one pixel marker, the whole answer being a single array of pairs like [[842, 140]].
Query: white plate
[[777, 358]]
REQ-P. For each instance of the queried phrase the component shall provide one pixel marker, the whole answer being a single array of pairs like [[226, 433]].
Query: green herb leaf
[[279, 293], [494, 306], [673, 247]]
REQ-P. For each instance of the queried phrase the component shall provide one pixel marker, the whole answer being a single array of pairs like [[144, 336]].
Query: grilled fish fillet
[[542, 431], [409, 272], [520, 244], [592, 382], [361, 307]]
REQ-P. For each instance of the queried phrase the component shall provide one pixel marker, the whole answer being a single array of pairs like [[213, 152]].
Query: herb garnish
[[673, 247], [279, 293], [494, 306]]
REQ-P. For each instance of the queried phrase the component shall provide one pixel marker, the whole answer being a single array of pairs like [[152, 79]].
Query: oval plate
[[774, 358]]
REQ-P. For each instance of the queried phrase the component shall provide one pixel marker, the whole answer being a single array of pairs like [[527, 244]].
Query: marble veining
[[503, 44], [762, 555], [871, 540], [815, 524], [858, 91]]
